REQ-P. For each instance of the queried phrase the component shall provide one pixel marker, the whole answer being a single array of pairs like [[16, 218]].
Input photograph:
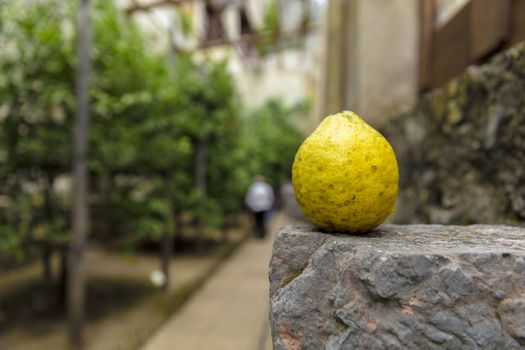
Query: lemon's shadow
[[374, 233]]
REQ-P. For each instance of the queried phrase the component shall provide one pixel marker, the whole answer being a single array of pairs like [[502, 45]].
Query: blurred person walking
[[259, 198]]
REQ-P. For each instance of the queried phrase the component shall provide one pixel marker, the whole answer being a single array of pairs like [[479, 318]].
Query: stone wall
[[399, 287], [461, 150]]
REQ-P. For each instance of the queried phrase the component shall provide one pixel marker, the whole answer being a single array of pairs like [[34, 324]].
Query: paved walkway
[[231, 311]]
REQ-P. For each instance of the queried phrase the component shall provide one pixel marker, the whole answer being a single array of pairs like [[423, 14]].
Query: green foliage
[[272, 139], [134, 138], [270, 28], [130, 98], [10, 241], [148, 119], [36, 104], [271, 21], [185, 21], [208, 111]]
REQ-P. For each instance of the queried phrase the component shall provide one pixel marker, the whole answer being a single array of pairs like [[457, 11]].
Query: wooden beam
[[255, 38], [450, 49], [489, 26], [250, 38], [517, 22], [138, 7]]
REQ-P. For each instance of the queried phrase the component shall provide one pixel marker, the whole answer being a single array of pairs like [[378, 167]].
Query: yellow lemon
[[345, 175]]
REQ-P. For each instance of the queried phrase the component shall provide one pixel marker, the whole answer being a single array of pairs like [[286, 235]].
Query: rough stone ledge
[[399, 287]]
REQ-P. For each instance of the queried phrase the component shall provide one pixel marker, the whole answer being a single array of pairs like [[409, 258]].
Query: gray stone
[[394, 275], [512, 314], [295, 264], [399, 287], [520, 265], [456, 281], [438, 336], [448, 322]]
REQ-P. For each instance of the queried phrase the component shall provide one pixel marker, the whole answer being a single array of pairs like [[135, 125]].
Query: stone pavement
[[230, 312]]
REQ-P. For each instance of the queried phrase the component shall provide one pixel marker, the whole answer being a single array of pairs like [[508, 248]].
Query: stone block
[[399, 287]]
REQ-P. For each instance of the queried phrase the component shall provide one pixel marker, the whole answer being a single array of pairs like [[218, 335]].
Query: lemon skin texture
[[345, 175]]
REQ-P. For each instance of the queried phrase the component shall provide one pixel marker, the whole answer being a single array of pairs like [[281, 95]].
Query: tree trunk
[[224, 232], [200, 165], [167, 253], [47, 272], [49, 217], [200, 182], [63, 277], [76, 278], [167, 237], [48, 197]]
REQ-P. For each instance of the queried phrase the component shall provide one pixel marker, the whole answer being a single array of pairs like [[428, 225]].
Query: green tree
[[36, 104], [271, 137], [208, 109], [166, 137]]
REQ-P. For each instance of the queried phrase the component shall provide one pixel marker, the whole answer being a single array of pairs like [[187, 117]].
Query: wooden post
[[76, 278]]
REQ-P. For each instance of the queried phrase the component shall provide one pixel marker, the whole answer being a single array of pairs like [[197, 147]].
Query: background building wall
[[371, 57], [386, 49], [290, 72]]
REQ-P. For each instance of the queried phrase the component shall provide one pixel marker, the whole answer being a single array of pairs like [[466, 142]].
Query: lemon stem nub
[[349, 115]]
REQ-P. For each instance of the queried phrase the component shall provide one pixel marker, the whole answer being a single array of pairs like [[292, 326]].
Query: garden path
[[230, 312]]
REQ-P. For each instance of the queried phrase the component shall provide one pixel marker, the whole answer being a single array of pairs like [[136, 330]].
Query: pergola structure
[[215, 34]]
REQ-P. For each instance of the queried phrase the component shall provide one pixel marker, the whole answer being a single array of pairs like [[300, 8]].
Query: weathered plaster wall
[[386, 59], [370, 63]]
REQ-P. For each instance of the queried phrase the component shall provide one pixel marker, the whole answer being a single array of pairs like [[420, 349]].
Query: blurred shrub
[[36, 106], [272, 137], [150, 120]]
